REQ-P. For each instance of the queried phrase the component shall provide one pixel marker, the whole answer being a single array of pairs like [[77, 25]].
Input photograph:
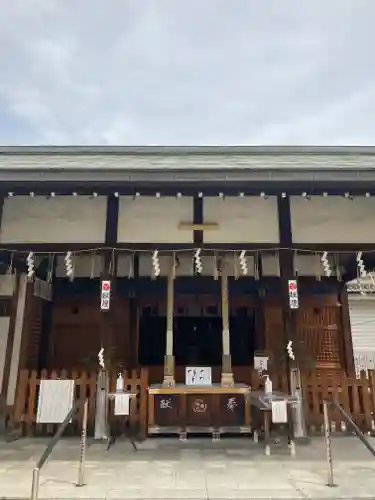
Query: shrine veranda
[[176, 257]]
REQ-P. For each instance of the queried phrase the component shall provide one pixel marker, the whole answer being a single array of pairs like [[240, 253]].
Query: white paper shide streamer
[[68, 259], [30, 261], [156, 264], [326, 266], [289, 350], [101, 358], [243, 263], [361, 266], [198, 261]]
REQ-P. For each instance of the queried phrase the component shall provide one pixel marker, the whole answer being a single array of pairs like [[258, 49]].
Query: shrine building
[[201, 247]]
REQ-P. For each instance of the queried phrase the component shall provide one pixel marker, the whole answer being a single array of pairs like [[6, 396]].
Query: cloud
[[178, 72]]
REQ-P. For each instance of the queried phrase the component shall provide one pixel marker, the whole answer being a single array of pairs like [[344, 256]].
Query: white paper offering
[[279, 412], [122, 404], [55, 401], [261, 363], [198, 375]]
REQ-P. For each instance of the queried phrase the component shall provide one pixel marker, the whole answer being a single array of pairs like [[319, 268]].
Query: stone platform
[[197, 469]]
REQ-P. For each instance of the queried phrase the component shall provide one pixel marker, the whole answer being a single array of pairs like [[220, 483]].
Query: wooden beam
[[47, 248], [286, 273], [109, 271], [190, 226], [188, 187], [346, 329], [198, 218], [111, 221], [8, 356], [334, 247], [260, 320]]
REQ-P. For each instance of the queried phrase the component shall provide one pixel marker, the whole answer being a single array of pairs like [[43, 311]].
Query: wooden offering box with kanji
[[199, 409]]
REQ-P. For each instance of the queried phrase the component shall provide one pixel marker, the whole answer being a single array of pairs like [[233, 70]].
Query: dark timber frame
[[232, 171], [109, 259]]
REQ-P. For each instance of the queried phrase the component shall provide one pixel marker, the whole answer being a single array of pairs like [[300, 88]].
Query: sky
[[187, 72]]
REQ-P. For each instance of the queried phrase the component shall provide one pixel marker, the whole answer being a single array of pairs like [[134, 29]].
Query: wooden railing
[[356, 396], [26, 403]]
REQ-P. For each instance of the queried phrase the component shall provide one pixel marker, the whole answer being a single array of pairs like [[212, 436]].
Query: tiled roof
[[189, 158]]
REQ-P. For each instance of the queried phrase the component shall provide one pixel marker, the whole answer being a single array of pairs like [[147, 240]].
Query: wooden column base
[[227, 373], [227, 380], [168, 380]]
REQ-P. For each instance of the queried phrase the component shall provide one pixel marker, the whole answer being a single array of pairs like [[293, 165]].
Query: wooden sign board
[[55, 401], [279, 412], [261, 363], [167, 410], [105, 295], [293, 294], [122, 404]]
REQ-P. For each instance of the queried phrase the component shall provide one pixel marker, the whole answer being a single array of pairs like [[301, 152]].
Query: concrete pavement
[[197, 469]]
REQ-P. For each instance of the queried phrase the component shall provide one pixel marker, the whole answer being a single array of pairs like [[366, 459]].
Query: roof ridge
[[187, 150]]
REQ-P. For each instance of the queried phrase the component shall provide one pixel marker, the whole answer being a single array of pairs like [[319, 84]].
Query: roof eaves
[[188, 150]]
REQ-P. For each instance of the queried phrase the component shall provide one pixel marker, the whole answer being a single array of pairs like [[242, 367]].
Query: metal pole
[[168, 379], [356, 429], [101, 430], [226, 365], [327, 434], [82, 457], [299, 423], [35, 484]]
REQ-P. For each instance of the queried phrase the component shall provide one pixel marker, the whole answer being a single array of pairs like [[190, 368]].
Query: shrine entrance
[[198, 340], [197, 333]]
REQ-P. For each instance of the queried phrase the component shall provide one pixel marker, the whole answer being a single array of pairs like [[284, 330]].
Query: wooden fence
[[26, 403], [356, 395]]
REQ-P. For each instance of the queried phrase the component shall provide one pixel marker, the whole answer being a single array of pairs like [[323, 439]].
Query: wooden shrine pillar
[[134, 320], [346, 329], [109, 271], [169, 379], [286, 261], [9, 349], [226, 373], [296, 418], [260, 340]]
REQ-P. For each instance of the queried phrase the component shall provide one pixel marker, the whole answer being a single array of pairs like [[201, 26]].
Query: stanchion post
[[101, 430], [327, 434], [35, 484], [82, 456]]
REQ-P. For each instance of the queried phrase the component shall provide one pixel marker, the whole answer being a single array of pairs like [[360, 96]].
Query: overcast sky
[[187, 72]]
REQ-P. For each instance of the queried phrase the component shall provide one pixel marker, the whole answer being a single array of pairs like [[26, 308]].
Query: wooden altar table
[[185, 409]]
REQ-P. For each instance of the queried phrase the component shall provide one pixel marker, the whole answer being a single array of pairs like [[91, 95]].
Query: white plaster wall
[[233, 265], [125, 265], [186, 265], [241, 220], [13, 376], [146, 267], [333, 219], [4, 332], [61, 219], [7, 285], [310, 264], [154, 220], [85, 266], [270, 265]]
